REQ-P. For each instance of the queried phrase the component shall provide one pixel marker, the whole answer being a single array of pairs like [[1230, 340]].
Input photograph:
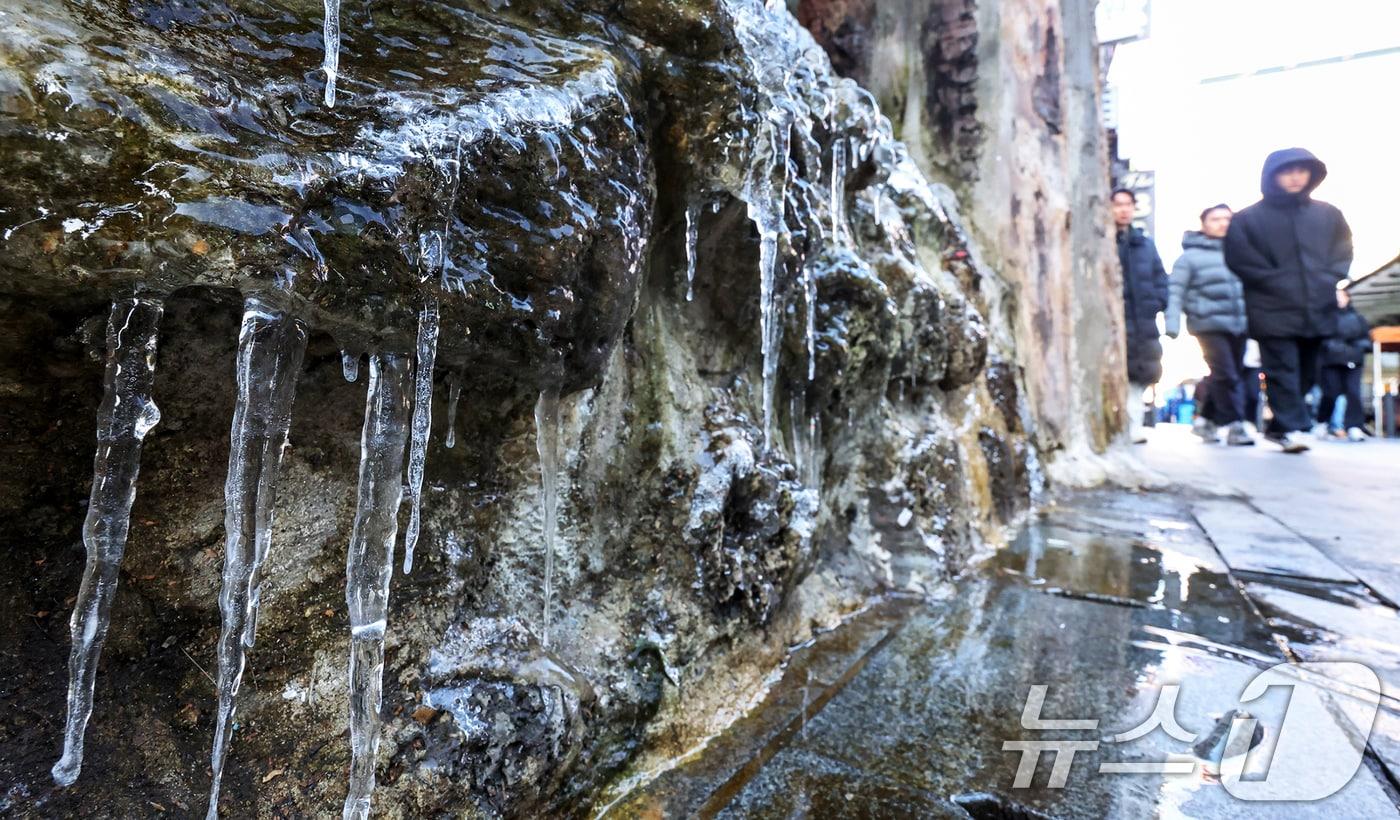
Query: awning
[[1377, 294]]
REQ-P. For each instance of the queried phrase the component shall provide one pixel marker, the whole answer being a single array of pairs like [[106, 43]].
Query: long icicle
[[547, 442], [454, 392], [369, 564], [270, 350], [422, 422], [692, 238], [330, 39], [126, 415], [769, 327]]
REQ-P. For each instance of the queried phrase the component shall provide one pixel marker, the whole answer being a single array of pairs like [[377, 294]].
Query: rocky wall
[[1000, 99], [781, 372]]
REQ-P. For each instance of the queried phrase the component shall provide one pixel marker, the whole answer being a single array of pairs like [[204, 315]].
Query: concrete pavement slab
[[1253, 542]]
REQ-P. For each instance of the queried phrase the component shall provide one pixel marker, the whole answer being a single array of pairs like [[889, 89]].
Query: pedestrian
[[1203, 288], [1343, 355], [1290, 251], [1144, 296]]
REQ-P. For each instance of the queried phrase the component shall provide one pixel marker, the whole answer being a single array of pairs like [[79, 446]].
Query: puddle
[[1182, 580]]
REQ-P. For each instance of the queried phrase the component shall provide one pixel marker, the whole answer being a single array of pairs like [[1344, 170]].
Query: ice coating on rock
[[271, 346], [454, 392], [350, 365], [127, 413], [330, 37], [422, 422], [369, 563], [547, 442], [735, 460], [692, 237]]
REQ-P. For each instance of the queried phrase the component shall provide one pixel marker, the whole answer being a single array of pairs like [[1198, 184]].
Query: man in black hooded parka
[[1290, 251], [1144, 296]]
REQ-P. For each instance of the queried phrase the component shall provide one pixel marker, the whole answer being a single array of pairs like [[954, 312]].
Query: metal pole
[[1377, 398]]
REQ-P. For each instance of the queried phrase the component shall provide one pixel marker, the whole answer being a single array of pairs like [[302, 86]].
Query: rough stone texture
[[1000, 100], [531, 167]]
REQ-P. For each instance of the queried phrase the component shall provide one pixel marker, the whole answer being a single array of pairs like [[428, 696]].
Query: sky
[[1206, 137]]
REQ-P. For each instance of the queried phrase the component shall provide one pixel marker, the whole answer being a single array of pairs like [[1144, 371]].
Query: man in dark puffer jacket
[[1213, 300], [1342, 358], [1144, 296], [1290, 251]]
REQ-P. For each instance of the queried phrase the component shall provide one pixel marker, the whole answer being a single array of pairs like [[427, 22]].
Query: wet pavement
[[1116, 603]]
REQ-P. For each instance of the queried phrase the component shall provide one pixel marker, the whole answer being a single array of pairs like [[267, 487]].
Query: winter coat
[[1205, 289], [1348, 348], [1144, 296], [1290, 251]]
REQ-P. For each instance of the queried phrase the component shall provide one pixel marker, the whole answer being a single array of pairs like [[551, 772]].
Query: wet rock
[[531, 167], [999, 101], [750, 522]]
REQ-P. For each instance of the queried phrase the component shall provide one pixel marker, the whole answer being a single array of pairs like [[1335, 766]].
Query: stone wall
[[849, 403], [1000, 99]]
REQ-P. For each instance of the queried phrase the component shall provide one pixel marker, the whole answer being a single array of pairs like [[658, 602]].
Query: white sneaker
[[1289, 443], [1356, 434]]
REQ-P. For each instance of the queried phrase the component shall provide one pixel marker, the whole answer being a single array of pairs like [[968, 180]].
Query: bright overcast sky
[[1207, 140]]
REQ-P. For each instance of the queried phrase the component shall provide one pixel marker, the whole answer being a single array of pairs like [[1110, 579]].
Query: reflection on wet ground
[[1112, 601]]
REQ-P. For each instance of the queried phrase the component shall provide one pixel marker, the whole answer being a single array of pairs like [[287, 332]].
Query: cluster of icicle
[[270, 349], [271, 345], [787, 179], [797, 98]]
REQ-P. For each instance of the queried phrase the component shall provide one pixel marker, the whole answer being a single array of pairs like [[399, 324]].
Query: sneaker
[[1356, 434], [1206, 430], [1289, 443], [1238, 436]]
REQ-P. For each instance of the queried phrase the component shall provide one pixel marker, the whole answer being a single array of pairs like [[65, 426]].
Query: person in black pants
[[1144, 296], [1203, 288], [1290, 251], [1343, 356]]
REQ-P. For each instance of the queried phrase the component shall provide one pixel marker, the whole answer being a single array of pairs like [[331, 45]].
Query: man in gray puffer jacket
[[1213, 299]]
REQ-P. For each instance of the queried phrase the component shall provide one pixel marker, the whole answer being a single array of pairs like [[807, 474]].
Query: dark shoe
[[1289, 443], [1238, 436]]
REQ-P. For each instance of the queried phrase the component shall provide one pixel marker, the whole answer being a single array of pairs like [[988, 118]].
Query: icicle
[[422, 422], [270, 349], [838, 187], [547, 442], [126, 414], [767, 264], [692, 236], [809, 284], [330, 37], [814, 456], [369, 563], [781, 134], [350, 365], [454, 390]]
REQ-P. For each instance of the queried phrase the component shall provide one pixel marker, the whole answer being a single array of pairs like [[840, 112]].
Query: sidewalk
[[1109, 599], [1343, 497]]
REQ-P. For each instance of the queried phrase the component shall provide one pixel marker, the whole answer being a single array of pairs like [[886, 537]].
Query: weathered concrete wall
[[1000, 99]]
